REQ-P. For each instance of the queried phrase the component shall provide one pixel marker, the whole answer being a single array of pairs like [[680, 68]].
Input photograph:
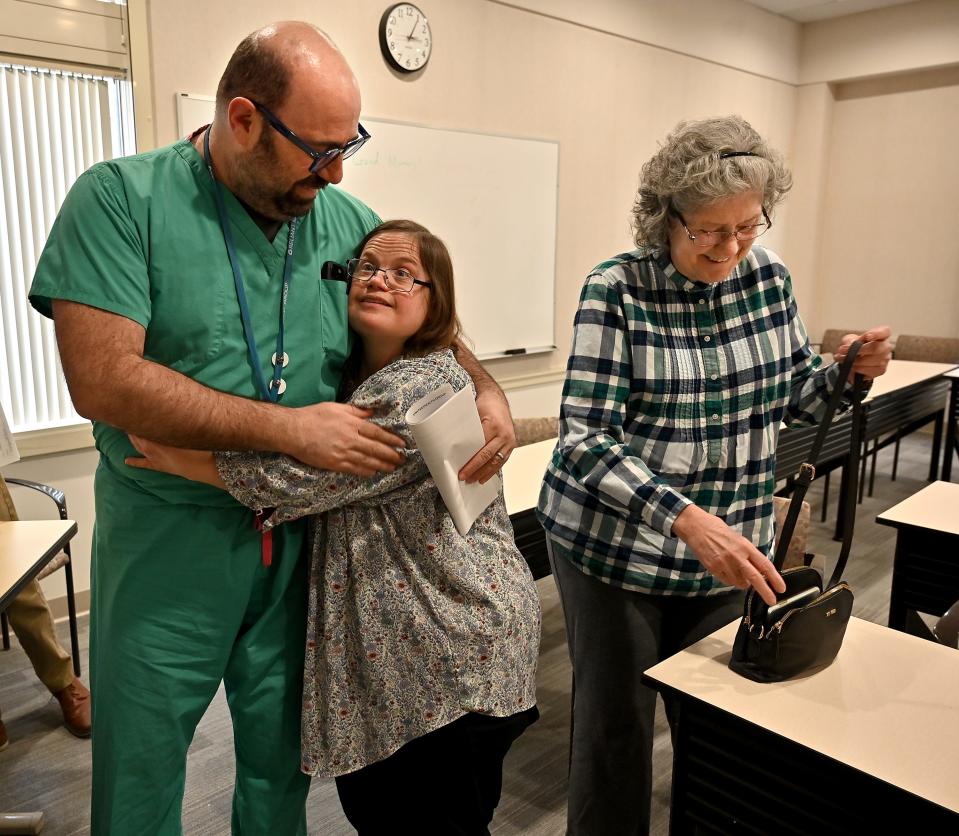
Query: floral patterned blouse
[[411, 625]]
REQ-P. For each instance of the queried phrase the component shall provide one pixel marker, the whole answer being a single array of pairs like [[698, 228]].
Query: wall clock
[[405, 38]]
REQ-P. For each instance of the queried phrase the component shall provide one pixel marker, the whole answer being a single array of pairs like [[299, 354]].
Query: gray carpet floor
[[45, 768]]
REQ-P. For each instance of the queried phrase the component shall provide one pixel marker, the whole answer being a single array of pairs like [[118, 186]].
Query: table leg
[[897, 607], [863, 464], [845, 476], [952, 443], [936, 447], [677, 792], [825, 497]]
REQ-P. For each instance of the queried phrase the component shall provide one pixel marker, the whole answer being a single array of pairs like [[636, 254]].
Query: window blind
[[54, 125]]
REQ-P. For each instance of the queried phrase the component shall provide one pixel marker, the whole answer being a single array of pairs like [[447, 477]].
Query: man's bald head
[[295, 72], [267, 63]]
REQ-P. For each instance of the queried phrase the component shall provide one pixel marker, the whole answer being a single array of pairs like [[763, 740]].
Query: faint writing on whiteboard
[[377, 159]]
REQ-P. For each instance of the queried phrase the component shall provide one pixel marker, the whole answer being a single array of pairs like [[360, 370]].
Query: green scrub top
[[140, 237]]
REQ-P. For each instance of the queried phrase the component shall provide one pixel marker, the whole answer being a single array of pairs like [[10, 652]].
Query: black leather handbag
[[803, 631]]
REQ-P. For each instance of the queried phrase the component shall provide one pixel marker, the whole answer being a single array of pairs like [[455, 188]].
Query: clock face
[[405, 37]]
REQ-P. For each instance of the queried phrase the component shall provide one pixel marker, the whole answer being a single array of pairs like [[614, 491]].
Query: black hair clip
[[725, 155]]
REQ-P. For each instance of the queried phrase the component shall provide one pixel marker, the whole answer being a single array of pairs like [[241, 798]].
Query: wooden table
[[909, 395], [902, 374], [26, 546], [522, 479], [865, 744], [925, 573], [952, 437], [794, 447]]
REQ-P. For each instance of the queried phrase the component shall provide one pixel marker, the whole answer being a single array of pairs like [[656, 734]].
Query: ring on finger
[[498, 455]]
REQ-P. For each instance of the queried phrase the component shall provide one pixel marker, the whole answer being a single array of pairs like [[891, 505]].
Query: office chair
[[831, 338], [531, 430]]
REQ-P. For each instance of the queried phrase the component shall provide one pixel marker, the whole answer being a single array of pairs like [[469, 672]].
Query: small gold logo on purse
[[830, 612]]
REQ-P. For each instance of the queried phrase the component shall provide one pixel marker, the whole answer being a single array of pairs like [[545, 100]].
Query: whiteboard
[[492, 199], [193, 111]]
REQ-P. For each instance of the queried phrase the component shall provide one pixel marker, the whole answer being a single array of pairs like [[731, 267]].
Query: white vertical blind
[[53, 126]]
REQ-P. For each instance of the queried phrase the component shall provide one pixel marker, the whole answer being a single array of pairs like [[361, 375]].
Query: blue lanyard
[[271, 391]]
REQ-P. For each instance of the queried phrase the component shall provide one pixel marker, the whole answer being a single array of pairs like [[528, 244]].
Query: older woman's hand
[[873, 357], [726, 554]]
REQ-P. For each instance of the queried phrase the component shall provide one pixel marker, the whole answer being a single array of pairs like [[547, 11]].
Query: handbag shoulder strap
[[852, 481], [807, 470]]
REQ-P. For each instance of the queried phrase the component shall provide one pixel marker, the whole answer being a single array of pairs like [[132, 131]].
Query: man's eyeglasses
[[397, 279], [320, 159], [706, 238]]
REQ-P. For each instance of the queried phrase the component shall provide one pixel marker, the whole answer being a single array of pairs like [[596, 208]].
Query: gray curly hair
[[688, 172]]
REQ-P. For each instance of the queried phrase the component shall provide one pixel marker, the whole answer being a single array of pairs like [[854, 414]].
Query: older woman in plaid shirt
[[688, 353]]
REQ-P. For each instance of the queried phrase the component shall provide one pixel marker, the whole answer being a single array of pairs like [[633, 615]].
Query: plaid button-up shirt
[[674, 394]]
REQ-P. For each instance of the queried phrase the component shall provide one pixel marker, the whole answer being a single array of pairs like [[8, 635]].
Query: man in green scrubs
[[144, 273]]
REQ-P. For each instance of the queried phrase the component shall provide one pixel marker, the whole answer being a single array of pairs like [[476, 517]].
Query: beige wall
[[806, 203], [726, 32], [874, 156], [889, 250], [896, 39]]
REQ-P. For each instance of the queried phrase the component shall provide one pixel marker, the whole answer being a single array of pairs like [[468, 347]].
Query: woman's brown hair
[[441, 328]]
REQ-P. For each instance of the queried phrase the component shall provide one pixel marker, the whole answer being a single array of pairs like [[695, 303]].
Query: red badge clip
[[260, 517]]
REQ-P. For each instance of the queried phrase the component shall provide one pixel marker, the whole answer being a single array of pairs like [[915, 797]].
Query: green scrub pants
[[180, 601]]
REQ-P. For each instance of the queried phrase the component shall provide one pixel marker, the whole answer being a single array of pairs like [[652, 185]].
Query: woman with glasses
[[421, 643], [687, 354]]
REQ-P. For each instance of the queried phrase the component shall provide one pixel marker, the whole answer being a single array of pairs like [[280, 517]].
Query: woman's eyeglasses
[[707, 238], [397, 279]]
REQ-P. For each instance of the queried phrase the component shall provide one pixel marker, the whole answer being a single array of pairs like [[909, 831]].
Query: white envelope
[[447, 430]]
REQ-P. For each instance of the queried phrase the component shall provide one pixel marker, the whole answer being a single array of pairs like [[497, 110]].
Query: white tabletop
[[953, 374], [24, 542], [523, 475], [935, 507], [888, 706], [903, 373]]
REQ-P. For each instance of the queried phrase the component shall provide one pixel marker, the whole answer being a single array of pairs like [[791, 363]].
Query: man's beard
[[257, 189]]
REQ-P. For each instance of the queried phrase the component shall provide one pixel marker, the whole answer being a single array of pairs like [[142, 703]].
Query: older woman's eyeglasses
[[709, 238], [397, 279], [319, 159]]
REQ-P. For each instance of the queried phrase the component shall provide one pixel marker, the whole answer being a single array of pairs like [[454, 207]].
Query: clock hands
[[410, 51]]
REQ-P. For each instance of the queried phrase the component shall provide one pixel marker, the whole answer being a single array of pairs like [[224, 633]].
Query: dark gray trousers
[[614, 635]]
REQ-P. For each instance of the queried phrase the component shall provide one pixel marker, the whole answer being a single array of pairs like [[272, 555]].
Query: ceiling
[[805, 11]]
